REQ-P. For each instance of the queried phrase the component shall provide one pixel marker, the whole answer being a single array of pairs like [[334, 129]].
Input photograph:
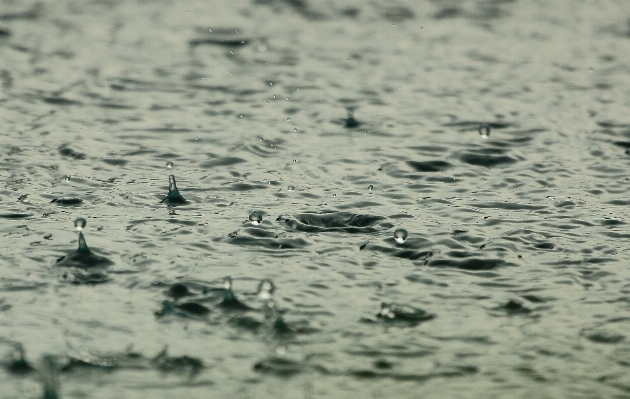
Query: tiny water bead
[[169, 164], [255, 218], [227, 283], [370, 187], [400, 235], [484, 131], [291, 188], [79, 224]]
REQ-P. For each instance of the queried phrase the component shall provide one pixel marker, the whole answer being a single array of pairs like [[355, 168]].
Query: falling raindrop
[[400, 235], [169, 164], [295, 161], [484, 131], [79, 224], [255, 218]]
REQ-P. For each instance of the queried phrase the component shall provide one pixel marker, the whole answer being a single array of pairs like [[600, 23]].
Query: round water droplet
[[291, 188], [400, 235], [295, 161], [288, 119], [484, 131], [79, 224], [370, 187], [169, 164], [334, 195], [227, 283], [295, 129], [255, 218], [66, 178]]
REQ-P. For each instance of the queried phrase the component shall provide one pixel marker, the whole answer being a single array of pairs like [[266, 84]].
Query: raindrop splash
[[265, 290], [484, 131], [79, 224], [400, 236], [350, 122], [173, 197], [255, 218]]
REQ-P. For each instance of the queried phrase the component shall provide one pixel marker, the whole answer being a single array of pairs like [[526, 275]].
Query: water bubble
[[291, 188], [484, 131], [265, 289], [255, 218], [169, 164], [400, 235], [334, 195], [370, 187], [79, 224]]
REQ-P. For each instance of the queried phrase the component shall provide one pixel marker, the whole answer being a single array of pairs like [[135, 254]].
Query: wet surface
[[304, 136]]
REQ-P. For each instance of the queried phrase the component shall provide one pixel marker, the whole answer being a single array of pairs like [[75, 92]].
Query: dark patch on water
[[69, 152], [225, 161], [429, 166], [15, 215], [116, 162], [486, 159], [470, 263], [67, 201]]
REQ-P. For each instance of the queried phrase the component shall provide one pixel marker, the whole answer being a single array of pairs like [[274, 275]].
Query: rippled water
[[496, 133]]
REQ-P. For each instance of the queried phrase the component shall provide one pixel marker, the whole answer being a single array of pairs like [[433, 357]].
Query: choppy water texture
[[496, 133]]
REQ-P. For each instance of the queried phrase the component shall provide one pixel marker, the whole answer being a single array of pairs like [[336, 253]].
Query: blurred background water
[[494, 132]]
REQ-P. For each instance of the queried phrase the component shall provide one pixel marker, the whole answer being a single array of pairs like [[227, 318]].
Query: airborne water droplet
[[169, 164], [400, 235], [66, 178], [227, 283], [255, 218], [370, 187], [291, 188], [79, 224], [484, 131]]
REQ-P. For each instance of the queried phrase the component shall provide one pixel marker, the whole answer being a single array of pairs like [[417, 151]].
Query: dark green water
[[340, 122]]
